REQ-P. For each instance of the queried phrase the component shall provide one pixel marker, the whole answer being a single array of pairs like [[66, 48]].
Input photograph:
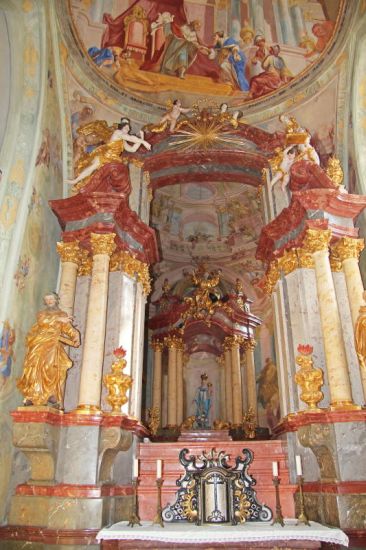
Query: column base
[[88, 409], [344, 406]]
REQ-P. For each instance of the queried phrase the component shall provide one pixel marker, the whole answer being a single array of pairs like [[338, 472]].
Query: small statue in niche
[[115, 139], [203, 403], [46, 361]]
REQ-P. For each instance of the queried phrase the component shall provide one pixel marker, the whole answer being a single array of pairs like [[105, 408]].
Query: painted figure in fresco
[[275, 73], [102, 57], [323, 32], [46, 361], [203, 402], [7, 340], [120, 140], [238, 62], [182, 50], [258, 56]]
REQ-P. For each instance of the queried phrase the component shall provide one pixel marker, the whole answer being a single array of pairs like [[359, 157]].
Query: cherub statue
[[297, 148], [46, 361], [169, 119], [281, 166], [115, 140]]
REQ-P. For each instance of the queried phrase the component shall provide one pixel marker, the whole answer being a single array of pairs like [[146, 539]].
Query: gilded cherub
[[175, 110]]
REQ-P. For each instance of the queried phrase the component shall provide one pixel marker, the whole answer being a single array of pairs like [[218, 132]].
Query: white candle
[[159, 468], [275, 469], [298, 465], [135, 467]]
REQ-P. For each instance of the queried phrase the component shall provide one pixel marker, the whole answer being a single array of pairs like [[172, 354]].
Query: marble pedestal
[[333, 445], [72, 490]]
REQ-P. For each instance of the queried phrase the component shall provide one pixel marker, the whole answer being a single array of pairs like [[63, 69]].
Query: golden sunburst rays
[[204, 131]]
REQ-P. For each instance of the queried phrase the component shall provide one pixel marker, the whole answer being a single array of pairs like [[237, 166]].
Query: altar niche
[[212, 492]]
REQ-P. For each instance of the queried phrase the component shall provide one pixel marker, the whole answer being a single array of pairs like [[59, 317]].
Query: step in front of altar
[[265, 452]]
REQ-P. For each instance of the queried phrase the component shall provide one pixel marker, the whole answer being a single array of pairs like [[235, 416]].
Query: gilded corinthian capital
[[317, 240], [102, 243], [348, 247], [69, 252], [157, 345]]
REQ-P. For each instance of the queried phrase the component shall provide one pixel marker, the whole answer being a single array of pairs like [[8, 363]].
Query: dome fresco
[[240, 51]]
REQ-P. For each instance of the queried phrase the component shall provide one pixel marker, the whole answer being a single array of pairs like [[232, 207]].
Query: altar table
[[248, 535]]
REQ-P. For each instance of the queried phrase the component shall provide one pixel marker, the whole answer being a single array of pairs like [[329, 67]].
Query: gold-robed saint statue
[[46, 361], [360, 334]]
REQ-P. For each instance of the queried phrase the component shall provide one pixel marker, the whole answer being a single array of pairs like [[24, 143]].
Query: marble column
[[348, 250], [70, 255], [228, 385], [180, 387], [317, 242], [171, 343], [233, 343], [157, 378], [249, 346], [102, 246], [222, 391]]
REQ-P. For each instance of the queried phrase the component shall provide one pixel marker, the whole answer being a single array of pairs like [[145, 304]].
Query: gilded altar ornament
[[111, 142], [309, 378], [117, 383], [46, 362], [249, 424], [334, 170], [202, 305], [207, 127], [221, 425], [127, 263], [188, 423], [242, 512], [153, 419]]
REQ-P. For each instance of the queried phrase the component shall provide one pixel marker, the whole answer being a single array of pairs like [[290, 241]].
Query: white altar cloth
[[251, 532]]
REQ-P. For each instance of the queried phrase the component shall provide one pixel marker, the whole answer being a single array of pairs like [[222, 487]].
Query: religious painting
[[7, 340], [238, 50]]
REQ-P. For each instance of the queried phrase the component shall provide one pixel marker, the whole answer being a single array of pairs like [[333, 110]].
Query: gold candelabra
[[134, 518], [278, 517], [158, 520], [302, 517]]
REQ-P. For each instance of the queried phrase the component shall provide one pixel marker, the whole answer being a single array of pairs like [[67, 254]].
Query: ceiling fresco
[[237, 50]]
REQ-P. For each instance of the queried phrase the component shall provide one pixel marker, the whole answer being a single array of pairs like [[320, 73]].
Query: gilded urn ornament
[[117, 383], [309, 378]]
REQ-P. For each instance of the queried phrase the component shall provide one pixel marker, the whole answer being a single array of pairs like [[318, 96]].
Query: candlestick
[[158, 520], [298, 465], [159, 468], [276, 482], [275, 469], [134, 518], [135, 468], [302, 517]]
